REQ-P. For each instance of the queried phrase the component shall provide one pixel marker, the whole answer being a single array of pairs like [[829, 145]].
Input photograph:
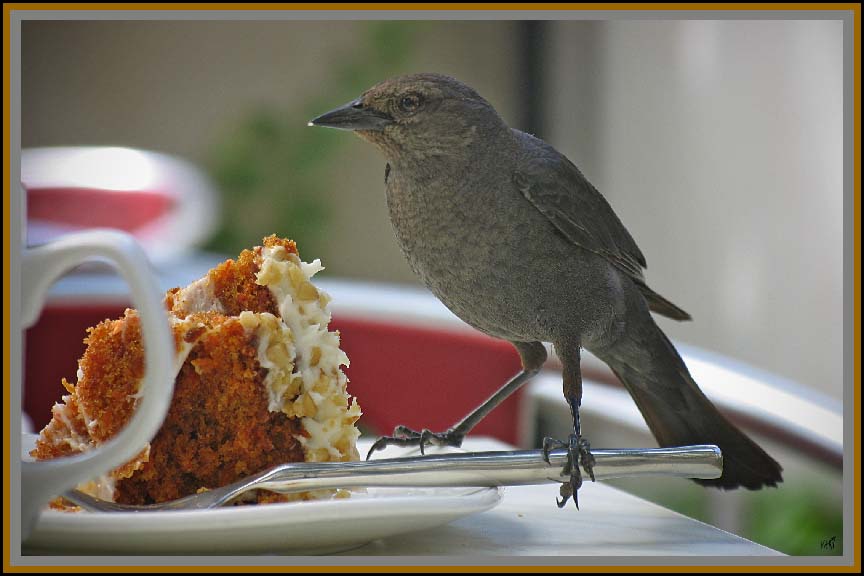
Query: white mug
[[40, 267]]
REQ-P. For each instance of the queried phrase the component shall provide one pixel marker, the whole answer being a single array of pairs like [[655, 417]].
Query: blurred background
[[718, 143]]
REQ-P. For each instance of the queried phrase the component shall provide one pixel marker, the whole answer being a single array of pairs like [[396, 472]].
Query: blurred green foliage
[[803, 521], [271, 169], [798, 519]]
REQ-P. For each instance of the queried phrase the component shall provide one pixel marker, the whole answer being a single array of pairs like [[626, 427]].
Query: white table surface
[[528, 522]]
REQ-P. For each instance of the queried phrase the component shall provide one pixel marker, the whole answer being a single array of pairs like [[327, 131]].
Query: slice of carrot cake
[[259, 383]]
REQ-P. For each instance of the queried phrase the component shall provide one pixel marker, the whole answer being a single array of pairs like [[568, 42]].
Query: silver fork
[[481, 469]]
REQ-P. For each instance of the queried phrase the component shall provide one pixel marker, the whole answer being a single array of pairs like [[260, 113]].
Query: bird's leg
[[578, 448], [533, 355]]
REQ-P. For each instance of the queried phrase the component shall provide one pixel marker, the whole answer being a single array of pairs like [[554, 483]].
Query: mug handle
[[43, 480]]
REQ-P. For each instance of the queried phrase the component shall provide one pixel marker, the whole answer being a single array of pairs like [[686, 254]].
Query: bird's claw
[[404, 436], [586, 458], [566, 492], [578, 457], [550, 444]]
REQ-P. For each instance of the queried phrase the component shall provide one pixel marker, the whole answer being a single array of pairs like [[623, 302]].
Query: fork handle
[[490, 469]]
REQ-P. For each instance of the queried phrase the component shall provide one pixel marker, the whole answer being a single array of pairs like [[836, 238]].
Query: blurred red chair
[[165, 202]]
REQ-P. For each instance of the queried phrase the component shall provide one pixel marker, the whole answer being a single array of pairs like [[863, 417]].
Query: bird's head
[[417, 116]]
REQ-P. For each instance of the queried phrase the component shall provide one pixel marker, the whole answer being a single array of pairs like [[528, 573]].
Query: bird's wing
[[556, 188]]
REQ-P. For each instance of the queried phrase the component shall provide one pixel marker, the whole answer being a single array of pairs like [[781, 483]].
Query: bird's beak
[[353, 116]]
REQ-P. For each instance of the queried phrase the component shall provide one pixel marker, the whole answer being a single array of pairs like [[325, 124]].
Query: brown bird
[[513, 239]]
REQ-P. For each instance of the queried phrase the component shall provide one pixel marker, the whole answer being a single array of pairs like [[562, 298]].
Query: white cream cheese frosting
[[317, 387]]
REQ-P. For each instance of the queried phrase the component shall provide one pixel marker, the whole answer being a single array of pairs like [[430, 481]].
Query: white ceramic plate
[[306, 528]]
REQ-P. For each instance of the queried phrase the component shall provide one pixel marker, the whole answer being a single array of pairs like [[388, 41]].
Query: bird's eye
[[409, 103]]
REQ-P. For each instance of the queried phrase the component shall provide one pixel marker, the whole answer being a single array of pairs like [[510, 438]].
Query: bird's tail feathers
[[679, 414]]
